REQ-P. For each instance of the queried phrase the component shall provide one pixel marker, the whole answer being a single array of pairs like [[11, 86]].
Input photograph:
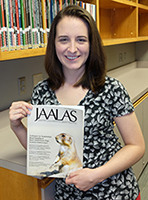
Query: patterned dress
[[100, 142]]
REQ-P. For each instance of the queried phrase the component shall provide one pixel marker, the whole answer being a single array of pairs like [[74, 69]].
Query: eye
[[82, 40], [63, 40], [63, 135]]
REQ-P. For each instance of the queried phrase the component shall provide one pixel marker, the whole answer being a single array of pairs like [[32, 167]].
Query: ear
[[71, 140]]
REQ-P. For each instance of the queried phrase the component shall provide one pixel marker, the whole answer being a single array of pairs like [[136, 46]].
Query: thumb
[[68, 180]]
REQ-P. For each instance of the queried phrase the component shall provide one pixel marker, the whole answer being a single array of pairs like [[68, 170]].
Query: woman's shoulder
[[113, 84], [42, 88], [40, 84], [41, 93], [112, 81]]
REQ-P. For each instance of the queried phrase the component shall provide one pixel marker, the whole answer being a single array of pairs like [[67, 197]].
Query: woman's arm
[[134, 147], [126, 157], [17, 112]]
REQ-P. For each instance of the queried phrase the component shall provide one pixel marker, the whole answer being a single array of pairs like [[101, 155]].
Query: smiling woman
[[76, 68]]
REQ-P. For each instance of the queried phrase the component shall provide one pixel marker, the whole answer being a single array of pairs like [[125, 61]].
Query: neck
[[72, 76]]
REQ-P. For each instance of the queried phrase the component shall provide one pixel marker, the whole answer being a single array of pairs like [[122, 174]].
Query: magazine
[[55, 140]]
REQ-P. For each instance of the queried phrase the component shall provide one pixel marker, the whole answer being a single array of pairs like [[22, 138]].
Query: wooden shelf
[[112, 4], [9, 55], [143, 7], [118, 21], [143, 2], [109, 42]]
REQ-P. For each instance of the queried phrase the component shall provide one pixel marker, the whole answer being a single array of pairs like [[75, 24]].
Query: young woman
[[75, 64]]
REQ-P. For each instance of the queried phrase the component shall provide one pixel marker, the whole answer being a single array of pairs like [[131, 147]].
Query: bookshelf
[[118, 21]]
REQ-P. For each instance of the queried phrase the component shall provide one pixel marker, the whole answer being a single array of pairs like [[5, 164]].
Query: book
[[3, 28], [41, 24], [18, 34], [23, 23], [28, 24], [11, 25], [55, 140], [37, 24], [1, 32], [20, 24], [8, 24], [48, 17], [34, 29], [31, 23], [51, 10], [1, 44], [14, 23], [5, 23], [44, 21]]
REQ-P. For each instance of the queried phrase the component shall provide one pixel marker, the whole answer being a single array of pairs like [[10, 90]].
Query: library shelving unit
[[118, 21]]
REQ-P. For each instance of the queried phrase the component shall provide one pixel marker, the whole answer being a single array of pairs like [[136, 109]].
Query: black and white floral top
[[100, 142]]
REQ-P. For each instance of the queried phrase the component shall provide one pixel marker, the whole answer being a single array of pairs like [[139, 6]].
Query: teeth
[[72, 58]]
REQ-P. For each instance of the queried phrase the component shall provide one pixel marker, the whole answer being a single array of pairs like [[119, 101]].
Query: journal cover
[[55, 140]]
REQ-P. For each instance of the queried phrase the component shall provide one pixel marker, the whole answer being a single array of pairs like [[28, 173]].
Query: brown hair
[[95, 69]]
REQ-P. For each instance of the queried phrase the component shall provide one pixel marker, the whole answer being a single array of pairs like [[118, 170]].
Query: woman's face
[[72, 43]]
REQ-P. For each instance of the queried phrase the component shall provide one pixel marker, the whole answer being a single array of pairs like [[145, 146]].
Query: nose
[[72, 47]]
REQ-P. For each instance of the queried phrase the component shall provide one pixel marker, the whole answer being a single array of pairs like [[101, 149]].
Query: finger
[[72, 174], [21, 106], [19, 110], [68, 181]]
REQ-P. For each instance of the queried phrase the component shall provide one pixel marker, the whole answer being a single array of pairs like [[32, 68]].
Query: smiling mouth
[[72, 57]]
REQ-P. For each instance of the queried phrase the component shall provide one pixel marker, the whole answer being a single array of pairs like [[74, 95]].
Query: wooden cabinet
[[119, 21], [14, 186], [123, 21]]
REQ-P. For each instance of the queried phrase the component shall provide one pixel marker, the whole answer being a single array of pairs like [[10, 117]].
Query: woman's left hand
[[83, 179]]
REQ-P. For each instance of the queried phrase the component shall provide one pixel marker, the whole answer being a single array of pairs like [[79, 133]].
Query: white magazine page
[[54, 140]]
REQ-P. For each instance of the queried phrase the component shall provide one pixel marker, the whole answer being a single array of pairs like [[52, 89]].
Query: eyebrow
[[79, 36], [60, 36]]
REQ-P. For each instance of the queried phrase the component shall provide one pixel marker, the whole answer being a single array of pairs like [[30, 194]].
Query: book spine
[[13, 44], [55, 8], [41, 24], [3, 28], [37, 23], [14, 22], [60, 5], [28, 24], [9, 26], [44, 21], [51, 10], [23, 23], [32, 24], [7, 23], [94, 11], [48, 17], [18, 44], [20, 24], [1, 32], [1, 44]]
